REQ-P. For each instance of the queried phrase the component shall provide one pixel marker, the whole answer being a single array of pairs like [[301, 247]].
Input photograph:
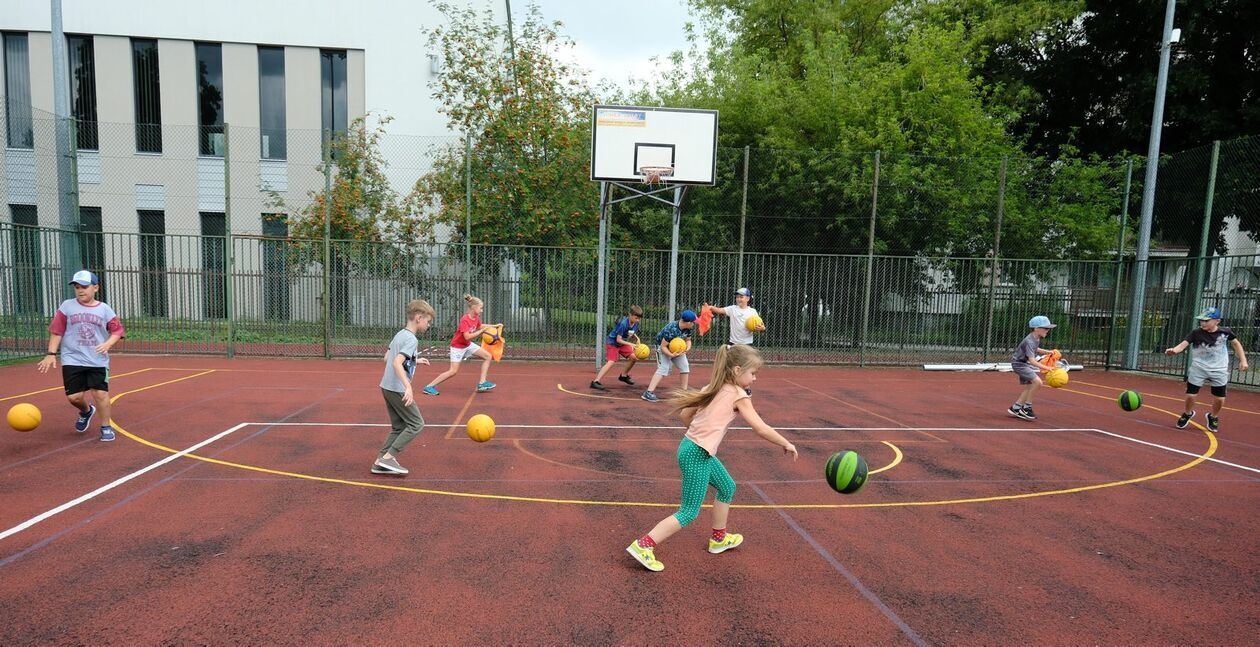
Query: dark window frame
[[334, 102], [19, 114], [28, 288], [272, 137], [213, 264], [81, 59], [153, 296], [146, 86], [208, 59]]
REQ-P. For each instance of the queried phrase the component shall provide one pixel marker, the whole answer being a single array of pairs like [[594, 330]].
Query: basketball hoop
[[652, 174]]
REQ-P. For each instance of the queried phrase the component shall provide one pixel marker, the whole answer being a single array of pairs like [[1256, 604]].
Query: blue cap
[[1210, 313], [1040, 321], [743, 292], [84, 278], [688, 315]]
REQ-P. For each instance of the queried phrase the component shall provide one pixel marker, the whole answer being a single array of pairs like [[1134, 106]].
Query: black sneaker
[[1185, 419], [1214, 423], [598, 387], [1015, 410], [1027, 413], [626, 379]]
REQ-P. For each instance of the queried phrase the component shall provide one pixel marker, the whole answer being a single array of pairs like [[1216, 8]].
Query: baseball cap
[[1040, 321], [85, 278], [687, 315], [744, 292], [1210, 313]]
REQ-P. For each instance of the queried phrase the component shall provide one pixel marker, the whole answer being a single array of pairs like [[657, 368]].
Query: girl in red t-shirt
[[463, 346]]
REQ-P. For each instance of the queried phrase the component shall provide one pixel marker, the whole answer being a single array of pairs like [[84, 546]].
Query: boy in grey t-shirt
[[1209, 363], [1024, 363], [84, 330], [405, 420]]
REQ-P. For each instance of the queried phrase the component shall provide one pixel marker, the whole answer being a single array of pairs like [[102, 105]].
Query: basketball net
[[652, 174]]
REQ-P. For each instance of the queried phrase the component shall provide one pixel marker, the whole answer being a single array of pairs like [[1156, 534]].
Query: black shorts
[[81, 378], [1218, 391]]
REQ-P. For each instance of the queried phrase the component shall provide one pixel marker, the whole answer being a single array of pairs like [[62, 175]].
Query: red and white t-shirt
[[83, 328], [467, 324]]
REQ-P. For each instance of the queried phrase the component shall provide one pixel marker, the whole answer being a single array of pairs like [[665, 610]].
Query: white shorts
[[461, 354], [1200, 376], [664, 364]]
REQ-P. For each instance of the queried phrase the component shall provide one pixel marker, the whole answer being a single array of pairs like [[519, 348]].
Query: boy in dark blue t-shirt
[[666, 360], [618, 344]]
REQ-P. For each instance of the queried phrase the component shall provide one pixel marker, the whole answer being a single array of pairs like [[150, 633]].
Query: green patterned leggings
[[699, 471]]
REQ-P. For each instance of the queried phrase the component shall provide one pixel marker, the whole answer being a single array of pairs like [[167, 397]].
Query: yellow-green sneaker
[[645, 556], [731, 540]]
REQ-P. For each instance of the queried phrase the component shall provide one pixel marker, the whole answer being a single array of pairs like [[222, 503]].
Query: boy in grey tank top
[[1209, 346]]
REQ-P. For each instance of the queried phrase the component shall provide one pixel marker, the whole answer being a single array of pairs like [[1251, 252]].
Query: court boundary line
[[116, 482], [1173, 450]]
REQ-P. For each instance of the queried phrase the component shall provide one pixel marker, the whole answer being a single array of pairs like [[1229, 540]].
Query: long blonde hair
[[472, 300], [724, 365]]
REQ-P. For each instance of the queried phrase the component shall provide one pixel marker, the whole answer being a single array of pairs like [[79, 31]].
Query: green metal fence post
[[327, 243], [227, 243], [870, 267], [997, 253], [1115, 292], [1201, 267]]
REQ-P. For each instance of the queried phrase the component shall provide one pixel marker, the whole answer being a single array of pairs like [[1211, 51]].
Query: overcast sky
[[616, 40]]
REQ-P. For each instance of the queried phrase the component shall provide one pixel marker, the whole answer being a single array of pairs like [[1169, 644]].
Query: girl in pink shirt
[[463, 347], [708, 413]]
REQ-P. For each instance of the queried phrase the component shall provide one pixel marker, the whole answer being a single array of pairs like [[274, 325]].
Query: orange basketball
[[24, 417], [481, 428], [677, 345], [1057, 378], [753, 323], [641, 351]]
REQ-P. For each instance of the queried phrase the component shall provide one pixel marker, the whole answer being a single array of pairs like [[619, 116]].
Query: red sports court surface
[[1090, 525]]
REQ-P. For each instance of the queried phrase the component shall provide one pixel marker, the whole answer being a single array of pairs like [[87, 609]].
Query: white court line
[[105, 488], [498, 426], [1176, 451]]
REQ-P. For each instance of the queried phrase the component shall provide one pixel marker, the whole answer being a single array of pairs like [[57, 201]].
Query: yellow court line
[[1162, 397], [154, 386], [516, 442], [1212, 447], [62, 388]]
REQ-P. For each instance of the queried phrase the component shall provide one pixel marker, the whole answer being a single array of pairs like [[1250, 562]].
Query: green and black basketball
[[846, 472], [1130, 400]]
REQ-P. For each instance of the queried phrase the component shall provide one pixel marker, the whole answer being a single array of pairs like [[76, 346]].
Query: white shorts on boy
[[461, 354], [664, 363]]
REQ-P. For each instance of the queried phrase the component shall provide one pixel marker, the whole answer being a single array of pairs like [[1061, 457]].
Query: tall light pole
[[1148, 196]]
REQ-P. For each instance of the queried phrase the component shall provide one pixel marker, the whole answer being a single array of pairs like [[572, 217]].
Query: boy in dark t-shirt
[[1209, 346]]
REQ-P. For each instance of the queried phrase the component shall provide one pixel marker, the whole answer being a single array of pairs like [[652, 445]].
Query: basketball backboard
[[624, 139]]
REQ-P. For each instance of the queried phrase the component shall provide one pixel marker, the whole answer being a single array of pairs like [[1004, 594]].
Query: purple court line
[[131, 497], [86, 440], [835, 563]]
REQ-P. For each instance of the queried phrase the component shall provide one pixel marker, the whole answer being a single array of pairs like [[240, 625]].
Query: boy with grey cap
[[1209, 364], [1024, 363]]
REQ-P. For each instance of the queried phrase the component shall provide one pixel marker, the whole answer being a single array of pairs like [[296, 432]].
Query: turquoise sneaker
[[731, 540], [485, 386], [645, 556], [428, 390]]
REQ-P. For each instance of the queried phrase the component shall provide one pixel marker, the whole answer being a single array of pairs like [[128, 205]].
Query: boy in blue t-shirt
[[666, 360], [618, 344]]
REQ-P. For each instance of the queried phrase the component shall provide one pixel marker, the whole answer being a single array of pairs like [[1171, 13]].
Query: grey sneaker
[[1185, 419], [388, 466], [1214, 423]]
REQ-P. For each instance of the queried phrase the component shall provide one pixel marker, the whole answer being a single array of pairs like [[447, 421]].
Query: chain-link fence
[[226, 240]]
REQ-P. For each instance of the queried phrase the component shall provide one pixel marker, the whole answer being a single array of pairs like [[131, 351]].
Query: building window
[[152, 262], [332, 78], [83, 90], [275, 267], [144, 67], [210, 98], [27, 287], [271, 103], [17, 91], [214, 264], [92, 245]]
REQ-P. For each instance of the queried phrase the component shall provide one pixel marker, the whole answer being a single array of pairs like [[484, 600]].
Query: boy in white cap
[[89, 328], [1024, 363], [739, 313], [1209, 363]]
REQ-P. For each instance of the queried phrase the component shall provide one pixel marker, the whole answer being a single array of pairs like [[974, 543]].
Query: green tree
[[372, 227], [527, 114]]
